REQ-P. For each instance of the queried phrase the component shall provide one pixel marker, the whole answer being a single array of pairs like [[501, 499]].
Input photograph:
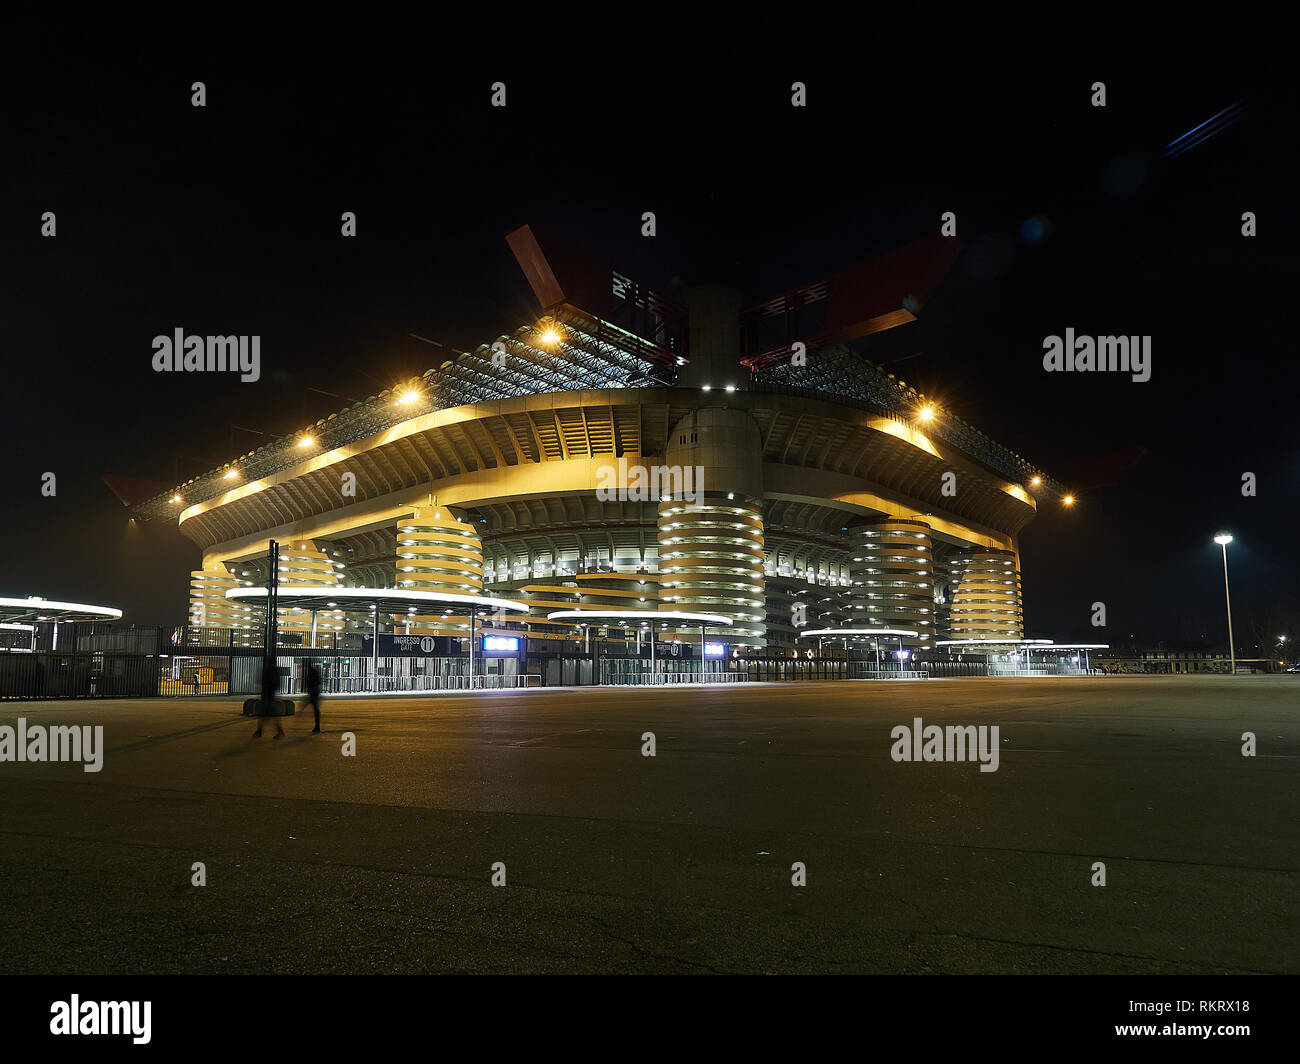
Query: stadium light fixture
[[1036, 481], [927, 413], [306, 441], [1068, 500]]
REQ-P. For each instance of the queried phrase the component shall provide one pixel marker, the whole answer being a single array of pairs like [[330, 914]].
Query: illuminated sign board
[[409, 646], [715, 650], [502, 644]]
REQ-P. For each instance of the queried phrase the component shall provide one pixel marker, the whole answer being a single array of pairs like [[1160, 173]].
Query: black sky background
[[226, 220]]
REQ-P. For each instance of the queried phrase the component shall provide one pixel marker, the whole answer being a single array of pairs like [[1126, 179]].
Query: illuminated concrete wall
[[893, 577], [986, 601], [586, 591], [795, 604]]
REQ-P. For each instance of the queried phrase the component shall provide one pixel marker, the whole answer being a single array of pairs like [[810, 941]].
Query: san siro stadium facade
[[625, 452]]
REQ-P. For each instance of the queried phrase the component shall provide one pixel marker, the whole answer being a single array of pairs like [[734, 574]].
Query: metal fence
[[663, 679], [343, 685], [52, 674], [950, 669], [872, 673], [996, 669]]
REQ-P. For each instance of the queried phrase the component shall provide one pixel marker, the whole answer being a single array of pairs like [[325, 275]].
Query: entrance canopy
[[850, 632], [395, 599], [16, 610], [992, 644], [1071, 646], [1018, 644], [627, 618]]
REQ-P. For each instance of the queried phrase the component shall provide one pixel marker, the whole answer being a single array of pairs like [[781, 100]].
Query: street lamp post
[[470, 684], [1223, 539]]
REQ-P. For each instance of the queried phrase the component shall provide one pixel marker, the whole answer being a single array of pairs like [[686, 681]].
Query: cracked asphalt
[[615, 862]]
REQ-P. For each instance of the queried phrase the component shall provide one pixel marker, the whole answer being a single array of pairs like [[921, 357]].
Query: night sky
[[226, 220]]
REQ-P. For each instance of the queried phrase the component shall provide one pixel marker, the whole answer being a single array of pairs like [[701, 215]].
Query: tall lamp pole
[[1223, 539], [271, 633]]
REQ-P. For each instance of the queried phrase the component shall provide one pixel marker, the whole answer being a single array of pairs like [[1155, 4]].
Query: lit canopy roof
[[397, 599], [991, 642], [1024, 644], [39, 609], [629, 617], [859, 631]]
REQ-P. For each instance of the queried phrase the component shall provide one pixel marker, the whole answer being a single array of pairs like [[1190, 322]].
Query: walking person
[[266, 704], [312, 687], [265, 710], [196, 681]]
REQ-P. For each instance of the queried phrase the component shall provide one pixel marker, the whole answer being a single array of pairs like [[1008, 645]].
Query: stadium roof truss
[[585, 355]]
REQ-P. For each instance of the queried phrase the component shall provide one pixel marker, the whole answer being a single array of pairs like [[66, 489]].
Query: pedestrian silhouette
[[312, 687], [266, 706]]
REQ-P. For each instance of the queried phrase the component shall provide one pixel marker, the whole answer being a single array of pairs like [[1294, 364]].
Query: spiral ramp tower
[[893, 577], [986, 601], [711, 531], [437, 552]]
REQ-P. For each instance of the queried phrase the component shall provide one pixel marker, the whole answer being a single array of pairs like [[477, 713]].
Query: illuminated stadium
[[623, 452]]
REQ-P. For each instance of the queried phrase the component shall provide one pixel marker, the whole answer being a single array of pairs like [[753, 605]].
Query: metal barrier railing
[[662, 679], [1045, 670], [889, 674], [342, 685], [172, 688]]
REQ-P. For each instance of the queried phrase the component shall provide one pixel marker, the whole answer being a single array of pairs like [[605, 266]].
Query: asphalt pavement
[[682, 862]]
